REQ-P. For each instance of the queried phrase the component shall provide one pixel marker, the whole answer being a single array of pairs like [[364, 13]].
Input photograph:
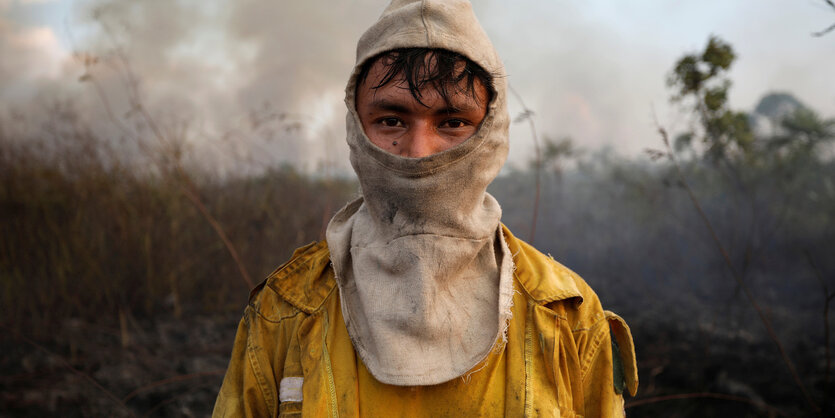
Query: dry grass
[[90, 233]]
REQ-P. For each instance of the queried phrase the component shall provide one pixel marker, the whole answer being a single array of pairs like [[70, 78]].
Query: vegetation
[[90, 233]]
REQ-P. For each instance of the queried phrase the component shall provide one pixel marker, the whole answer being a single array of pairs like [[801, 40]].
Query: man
[[420, 303]]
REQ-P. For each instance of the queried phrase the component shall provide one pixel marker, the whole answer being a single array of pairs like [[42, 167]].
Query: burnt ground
[[171, 367], [167, 367], [728, 374]]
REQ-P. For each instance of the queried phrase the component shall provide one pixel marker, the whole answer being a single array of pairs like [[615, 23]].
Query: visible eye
[[453, 123], [391, 122]]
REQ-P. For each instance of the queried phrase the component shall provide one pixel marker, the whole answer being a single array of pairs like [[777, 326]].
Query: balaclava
[[424, 274]]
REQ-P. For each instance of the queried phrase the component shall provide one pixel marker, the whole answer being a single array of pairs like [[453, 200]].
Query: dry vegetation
[[87, 235], [109, 268]]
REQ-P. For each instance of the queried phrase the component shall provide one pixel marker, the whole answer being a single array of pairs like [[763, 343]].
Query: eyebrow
[[384, 104]]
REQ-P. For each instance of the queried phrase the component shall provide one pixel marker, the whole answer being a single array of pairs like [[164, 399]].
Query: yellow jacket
[[292, 354]]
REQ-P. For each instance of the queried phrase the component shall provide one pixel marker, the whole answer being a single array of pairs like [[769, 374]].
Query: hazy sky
[[215, 70]]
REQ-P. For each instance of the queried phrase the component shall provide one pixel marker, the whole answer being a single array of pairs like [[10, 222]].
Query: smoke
[[250, 84], [246, 84], [30, 55]]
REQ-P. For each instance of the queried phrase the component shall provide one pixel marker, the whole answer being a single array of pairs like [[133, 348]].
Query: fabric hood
[[425, 277]]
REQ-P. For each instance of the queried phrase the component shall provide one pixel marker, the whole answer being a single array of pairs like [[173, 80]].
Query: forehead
[[422, 85]]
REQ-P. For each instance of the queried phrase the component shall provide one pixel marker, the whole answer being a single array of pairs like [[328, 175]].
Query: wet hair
[[439, 68]]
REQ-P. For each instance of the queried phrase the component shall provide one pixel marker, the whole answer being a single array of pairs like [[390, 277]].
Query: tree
[[701, 80]]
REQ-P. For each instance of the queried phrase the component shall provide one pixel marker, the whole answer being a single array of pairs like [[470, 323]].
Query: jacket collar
[[543, 278], [305, 281]]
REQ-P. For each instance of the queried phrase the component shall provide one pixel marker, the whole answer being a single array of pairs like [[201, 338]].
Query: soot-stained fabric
[[424, 275]]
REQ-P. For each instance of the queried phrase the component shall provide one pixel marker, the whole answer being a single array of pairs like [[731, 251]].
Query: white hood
[[424, 275]]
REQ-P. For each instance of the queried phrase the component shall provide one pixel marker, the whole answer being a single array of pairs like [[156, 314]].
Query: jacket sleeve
[[266, 350], [245, 391], [611, 371]]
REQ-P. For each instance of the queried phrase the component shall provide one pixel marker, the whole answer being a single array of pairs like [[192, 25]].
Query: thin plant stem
[[827, 298], [189, 190], [151, 412], [191, 194], [187, 185], [702, 395], [528, 114], [831, 27], [173, 379]]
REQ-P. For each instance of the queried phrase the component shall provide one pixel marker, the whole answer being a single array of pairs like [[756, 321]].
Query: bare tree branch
[[831, 4], [825, 31]]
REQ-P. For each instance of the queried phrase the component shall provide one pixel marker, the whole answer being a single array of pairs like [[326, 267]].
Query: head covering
[[424, 275]]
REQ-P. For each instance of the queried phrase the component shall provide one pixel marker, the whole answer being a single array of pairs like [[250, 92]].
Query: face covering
[[424, 274]]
